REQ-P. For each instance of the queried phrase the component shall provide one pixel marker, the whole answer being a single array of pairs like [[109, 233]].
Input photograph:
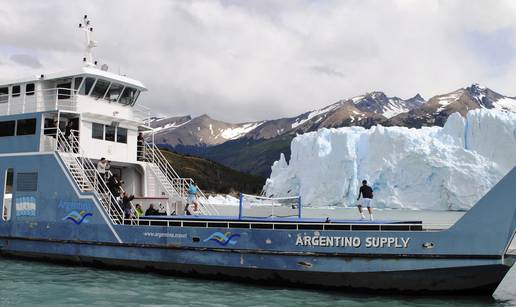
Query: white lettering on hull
[[370, 242]]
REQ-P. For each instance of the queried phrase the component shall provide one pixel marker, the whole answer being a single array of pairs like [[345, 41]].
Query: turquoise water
[[24, 283]]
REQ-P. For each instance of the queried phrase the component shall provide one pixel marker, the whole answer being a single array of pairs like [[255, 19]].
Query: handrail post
[[240, 206], [299, 207]]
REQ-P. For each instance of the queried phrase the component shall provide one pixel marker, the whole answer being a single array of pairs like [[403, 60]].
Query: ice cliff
[[429, 168]]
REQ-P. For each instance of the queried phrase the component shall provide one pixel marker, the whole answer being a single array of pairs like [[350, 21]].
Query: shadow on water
[[27, 282]]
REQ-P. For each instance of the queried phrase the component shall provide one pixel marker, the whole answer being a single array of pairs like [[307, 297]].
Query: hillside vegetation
[[213, 177], [251, 156]]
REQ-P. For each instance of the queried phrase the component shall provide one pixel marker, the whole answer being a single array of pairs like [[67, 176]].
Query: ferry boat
[[57, 206]]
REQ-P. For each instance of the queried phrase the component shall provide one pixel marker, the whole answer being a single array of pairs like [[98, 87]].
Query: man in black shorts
[[367, 199]]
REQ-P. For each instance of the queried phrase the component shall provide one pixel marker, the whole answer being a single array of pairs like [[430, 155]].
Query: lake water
[[27, 283]]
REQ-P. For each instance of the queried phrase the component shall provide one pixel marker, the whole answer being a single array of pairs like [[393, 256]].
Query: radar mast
[[87, 27]]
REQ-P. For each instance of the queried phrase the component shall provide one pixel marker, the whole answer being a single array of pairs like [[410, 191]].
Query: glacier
[[432, 168]]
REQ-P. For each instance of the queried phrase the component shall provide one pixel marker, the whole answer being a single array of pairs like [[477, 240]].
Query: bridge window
[[121, 135], [26, 126], [86, 87], [77, 82], [114, 92], [29, 89], [8, 194], [7, 128], [97, 131], [4, 94], [16, 91], [100, 89], [129, 96]]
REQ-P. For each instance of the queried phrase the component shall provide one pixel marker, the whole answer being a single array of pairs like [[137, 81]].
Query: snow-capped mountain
[[379, 103], [252, 147], [199, 131], [365, 110], [436, 110], [169, 123]]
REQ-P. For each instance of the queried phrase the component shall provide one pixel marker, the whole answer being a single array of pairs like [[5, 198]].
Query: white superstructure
[[89, 113]]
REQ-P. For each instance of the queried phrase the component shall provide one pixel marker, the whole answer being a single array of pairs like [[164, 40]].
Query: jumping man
[[367, 198]]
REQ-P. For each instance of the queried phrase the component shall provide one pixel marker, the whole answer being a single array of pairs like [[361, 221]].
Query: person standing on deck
[[102, 168], [126, 205], [140, 143], [192, 196], [114, 185], [68, 136], [367, 199], [68, 131]]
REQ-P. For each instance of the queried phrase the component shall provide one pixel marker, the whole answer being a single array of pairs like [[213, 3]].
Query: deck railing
[[292, 225], [39, 101], [86, 175], [53, 99], [178, 185]]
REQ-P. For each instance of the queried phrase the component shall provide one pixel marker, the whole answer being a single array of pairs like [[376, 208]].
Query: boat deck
[[274, 219], [279, 223]]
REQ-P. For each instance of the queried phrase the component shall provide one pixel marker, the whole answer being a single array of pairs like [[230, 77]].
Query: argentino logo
[[223, 239], [356, 242], [76, 211], [78, 217]]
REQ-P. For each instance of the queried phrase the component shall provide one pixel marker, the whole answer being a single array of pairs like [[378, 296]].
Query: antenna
[[87, 27]]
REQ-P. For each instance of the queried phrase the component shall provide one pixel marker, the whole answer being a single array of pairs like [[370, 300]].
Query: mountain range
[[253, 146]]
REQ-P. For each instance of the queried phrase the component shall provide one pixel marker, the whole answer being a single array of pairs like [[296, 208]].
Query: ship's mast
[[90, 43]]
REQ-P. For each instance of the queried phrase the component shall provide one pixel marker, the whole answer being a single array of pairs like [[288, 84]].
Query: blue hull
[[64, 224], [448, 276]]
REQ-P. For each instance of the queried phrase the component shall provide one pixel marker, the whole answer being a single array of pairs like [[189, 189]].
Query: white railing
[[152, 154], [87, 177], [295, 225], [39, 101], [53, 99]]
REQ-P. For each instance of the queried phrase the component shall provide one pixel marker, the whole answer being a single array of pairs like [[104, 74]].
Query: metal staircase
[[86, 176], [175, 186]]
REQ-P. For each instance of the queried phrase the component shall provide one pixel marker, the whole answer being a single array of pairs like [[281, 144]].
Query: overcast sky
[[251, 60]]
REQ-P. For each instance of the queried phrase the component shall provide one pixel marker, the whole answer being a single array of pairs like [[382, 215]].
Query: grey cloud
[[326, 70], [250, 60], [26, 60]]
